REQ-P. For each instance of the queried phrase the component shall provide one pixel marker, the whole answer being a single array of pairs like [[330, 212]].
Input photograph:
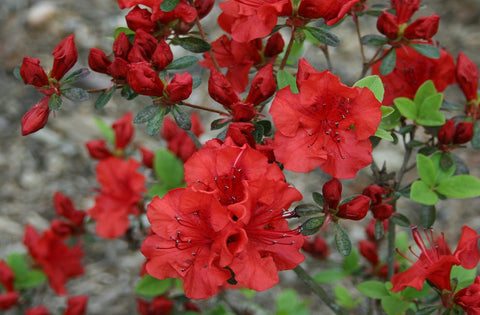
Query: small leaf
[[393, 306], [16, 72], [105, 129], [127, 92], [373, 40], [182, 63], [342, 241], [464, 277], [374, 84], [181, 118], [219, 123], [460, 167], [146, 114], [104, 97], [267, 126], [379, 231], [168, 168], [18, 264], [159, 189], [460, 186], [311, 226], [169, 5], [425, 90], [373, 289], [286, 79], [155, 123], [426, 170], [427, 50], [343, 297], [476, 135], [386, 111], [149, 286], [258, 133], [76, 76], [55, 102], [324, 36], [406, 107], [197, 81], [412, 293], [381, 133], [318, 198], [75, 94], [32, 279], [421, 192], [427, 216], [446, 161], [442, 173], [388, 63], [329, 276], [125, 30], [350, 263], [193, 44], [400, 219]]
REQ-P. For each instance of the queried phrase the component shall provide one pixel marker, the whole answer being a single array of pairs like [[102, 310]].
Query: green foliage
[[374, 84], [149, 286], [343, 297], [105, 129], [427, 50], [374, 40], [55, 102], [104, 97], [373, 289], [286, 79], [323, 35], [342, 240], [181, 118], [329, 276], [304, 210], [75, 94], [169, 5], [351, 263], [388, 62], [75, 76], [463, 277], [182, 63], [125, 30], [155, 123], [288, 303], [168, 168], [312, 225], [193, 44], [25, 278]]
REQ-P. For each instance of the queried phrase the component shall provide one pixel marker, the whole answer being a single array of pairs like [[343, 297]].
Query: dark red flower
[[64, 207], [314, 127], [370, 229], [7, 277], [469, 298], [274, 45], [332, 192], [36, 118], [32, 73], [8, 300], [162, 56], [182, 11], [369, 250], [467, 77], [435, 263], [120, 191], [463, 132], [76, 305], [64, 57], [158, 306], [98, 149], [356, 209], [178, 140], [375, 193], [331, 11], [447, 132], [58, 260], [144, 80], [39, 310], [451, 136], [412, 70], [179, 88], [317, 247], [241, 133], [123, 129], [139, 18], [382, 211]]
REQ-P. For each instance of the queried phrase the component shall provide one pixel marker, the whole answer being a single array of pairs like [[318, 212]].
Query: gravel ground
[[32, 168]]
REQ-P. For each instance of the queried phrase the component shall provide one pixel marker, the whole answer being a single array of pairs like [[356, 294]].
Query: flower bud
[[144, 80], [64, 57], [382, 211], [375, 193], [98, 149], [8, 300], [98, 60], [318, 248], [332, 192], [7, 276], [463, 132], [32, 73], [180, 87], [36, 118], [354, 210], [162, 56], [422, 28], [203, 7], [467, 76], [122, 46], [369, 250], [123, 131], [61, 228], [387, 24], [139, 18], [447, 132], [241, 133], [262, 87], [221, 90], [274, 45], [147, 157]]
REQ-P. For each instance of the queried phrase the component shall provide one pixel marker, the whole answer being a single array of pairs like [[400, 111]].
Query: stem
[[289, 49], [359, 35], [96, 90], [204, 108], [326, 53], [194, 138], [318, 291], [204, 37], [373, 60]]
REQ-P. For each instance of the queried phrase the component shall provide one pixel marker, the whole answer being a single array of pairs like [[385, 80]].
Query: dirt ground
[[32, 168]]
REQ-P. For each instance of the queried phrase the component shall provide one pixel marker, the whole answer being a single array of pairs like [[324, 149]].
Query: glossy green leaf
[[168, 168], [75, 94], [426, 169], [388, 63], [105, 129], [381, 133], [441, 173], [318, 198], [125, 30], [464, 277], [421, 192], [373, 289], [387, 110], [193, 44], [75, 76], [342, 240], [55, 102], [425, 90], [286, 79], [169, 5], [304, 210], [428, 215], [406, 107], [374, 40], [427, 50], [351, 263], [146, 114], [104, 97], [155, 123], [374, 84], [400, 219], [393, 306], [149, 286], [324, 36], [181, 118], [312, 225], [460, 186], [182, 63]]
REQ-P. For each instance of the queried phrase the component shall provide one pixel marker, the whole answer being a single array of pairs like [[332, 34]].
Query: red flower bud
[[387, 24], [241, 133], [143, 47], [190, 306], [274, 45], [121, 46], [98, 149], [262, 87], [221, 90], [123, 131], [447, 132], [32, 73], [382, 211], [369, 250], [375, 193], [144, 80], [98, 60], [422, 28], [243, 111], [39, 310], [64, 207], [318, 248], [467, 76], [147, 157], [61, 228], [180, 87], [8, 300], [404, 9], [6, 276], [118, 69], [36, 118], [160, 305], [64, 57], [354, 210], [76, 305], [267, 149], [203, 7], [162, 56], [332, 192], [331, 11], [463, 132], [139, 18], [469, 297]]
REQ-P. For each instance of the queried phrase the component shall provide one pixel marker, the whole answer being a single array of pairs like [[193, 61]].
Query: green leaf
[[464, 277], [219, 123], [182, 63], [288, 303], [75, 76], [329, 276], [343, 297], [412, 293], [149, 286], [401, 241], [420, 192], [350, 263], [155, 123], [197, 81], [461, 168], [379, 231], [428, 114], [181, 118], [425, 90], [75, 94], [168, 168], [55, 102], [127, 92], [476, 135], [19, 266], [312, 225], [193, 44], [427, 216], [125, 30], [400, 219], [382, 133], [32, 279], [159, 189], [318, 198], [324, 36], [307, 210], [249, 294], [342, 240], [104, 97], [373, 289], [427, 50], [258, 133], [446, 161], [442, 173], [388, 63], [169, 5], [426, 170], [386, 111], [393, 306], [286, 79], [374, 40], [16, 72], [406, 107], [105, 129], [460, 186], [267, 126], [374, 84]]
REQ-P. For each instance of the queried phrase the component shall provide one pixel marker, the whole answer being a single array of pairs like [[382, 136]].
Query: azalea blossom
[[9, 298]]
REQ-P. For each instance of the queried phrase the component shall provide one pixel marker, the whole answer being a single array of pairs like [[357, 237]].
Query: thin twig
[[194, 138], [288, 50], [204, 37], [204, 108]]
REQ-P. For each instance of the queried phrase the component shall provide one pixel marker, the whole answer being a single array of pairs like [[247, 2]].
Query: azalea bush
[[215, 215]]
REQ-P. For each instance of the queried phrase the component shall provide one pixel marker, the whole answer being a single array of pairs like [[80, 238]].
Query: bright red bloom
[[467, 77], [7, 277], [32, 73], [36, 118], [59, 261], [318, 247], [178, 140], [469, 298], [314, 127], [159, 306], [179, 88], [435, 263], [65, 208], [331, 11], [241, 133], [139, 18], [76, 305], [64, 57], [183, 11], [450, 136], [412, 70], [120, 191], [123, 129], [144, 80], [8, 300]]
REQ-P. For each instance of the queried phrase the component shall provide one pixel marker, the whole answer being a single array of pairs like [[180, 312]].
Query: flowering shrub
[[219, 214]]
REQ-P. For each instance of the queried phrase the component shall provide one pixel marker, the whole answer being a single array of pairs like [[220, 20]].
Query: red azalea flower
[[8, 300], [451, 136], [7, 277], [435, 263], [76, 305], [144, 80], [412, 70], [98, 149], [139, 18], [148, 155], [158, 306], [314, 127], [59, 261], [65, 208], [178, 140], [39, 310], [331, 11], [317, 248], [36, 118], [369, 250], [120, 192], [64, 58], [467, 77], [469, 298], [182, 11], [241, 133], [123, 129]]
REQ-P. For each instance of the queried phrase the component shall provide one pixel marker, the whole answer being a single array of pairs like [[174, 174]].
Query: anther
[[328, 132], [344, 157], [195, 213], [284, 235], [199, 181], [343, 116], [157, 247], [193, 254], [338, 139], [182, 269], [309, 146], [336, 124], [292, 242], [310, 134], [215, 179], [336, 133], [233, 177], [189, 241], [274, 242], [226, 187]]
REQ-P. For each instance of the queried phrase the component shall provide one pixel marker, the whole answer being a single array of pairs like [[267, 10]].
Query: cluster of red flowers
[[227, 228]]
